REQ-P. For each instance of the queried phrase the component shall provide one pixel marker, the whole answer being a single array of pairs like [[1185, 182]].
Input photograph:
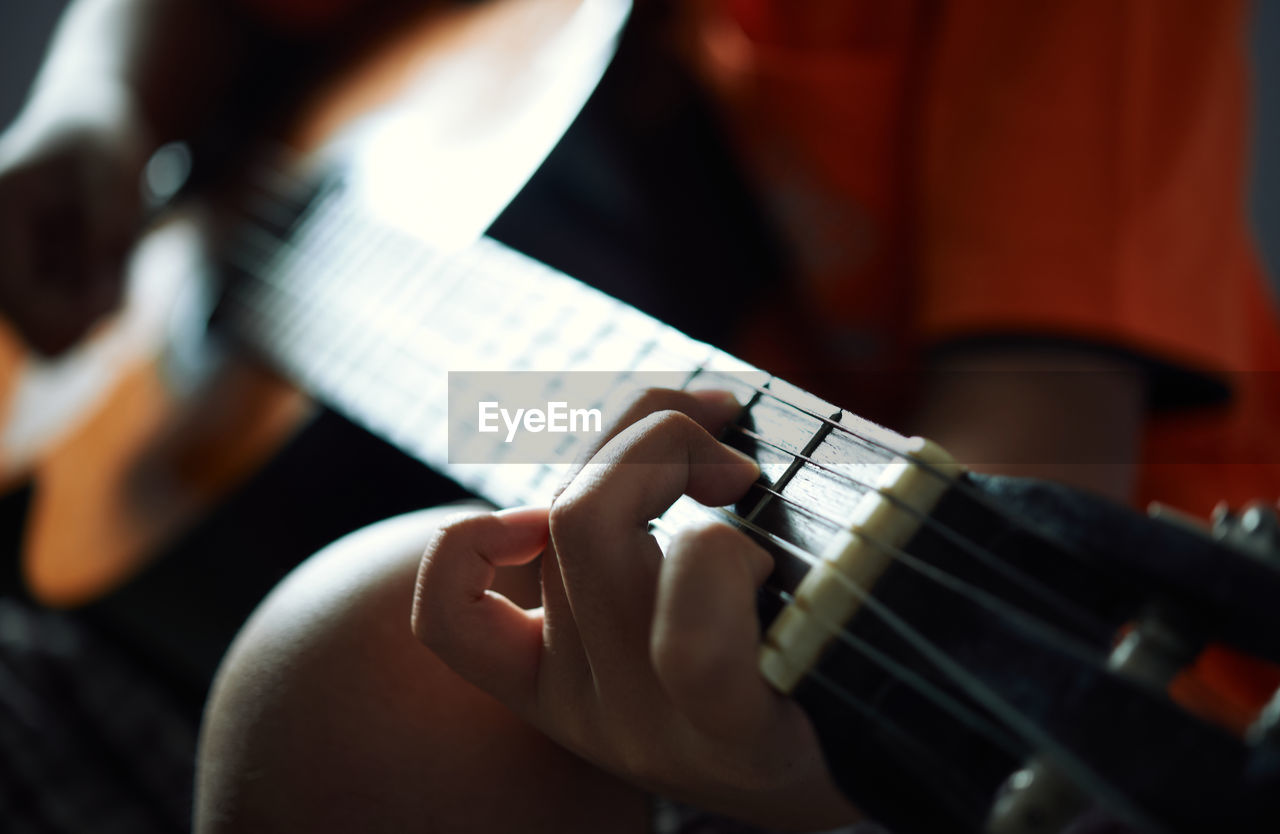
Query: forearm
[[1068, 415]]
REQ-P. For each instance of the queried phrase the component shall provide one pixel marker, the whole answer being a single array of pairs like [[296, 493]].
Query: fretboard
[[372, 322]]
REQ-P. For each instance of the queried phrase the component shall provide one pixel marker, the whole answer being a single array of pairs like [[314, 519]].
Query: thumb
[[480, 634]]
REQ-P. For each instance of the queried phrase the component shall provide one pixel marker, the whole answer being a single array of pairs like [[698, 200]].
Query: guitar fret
[[797, 462], [372, 320]]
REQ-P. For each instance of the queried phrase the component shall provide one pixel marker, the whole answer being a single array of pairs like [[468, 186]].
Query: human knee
[[320, 680]]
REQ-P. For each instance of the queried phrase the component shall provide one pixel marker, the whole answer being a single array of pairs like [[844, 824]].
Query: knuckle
[[724, 549], [569, 511], [455, 530], [667, 423], [652, 399], [443, 539], [641, 762], [710, 539], [689, 665]]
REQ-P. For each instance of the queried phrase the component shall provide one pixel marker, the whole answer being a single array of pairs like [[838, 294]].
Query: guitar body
[[124, 467]]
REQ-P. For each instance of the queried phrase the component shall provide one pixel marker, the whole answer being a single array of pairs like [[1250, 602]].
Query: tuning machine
[[1255, 530], [1040, 798]]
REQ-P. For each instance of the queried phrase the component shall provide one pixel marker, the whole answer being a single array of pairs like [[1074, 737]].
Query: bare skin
[[328, 715], [1063, 414]]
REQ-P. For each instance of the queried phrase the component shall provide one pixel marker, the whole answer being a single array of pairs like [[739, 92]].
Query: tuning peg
[[1266, 729], [1255, 530], [1040, 798]]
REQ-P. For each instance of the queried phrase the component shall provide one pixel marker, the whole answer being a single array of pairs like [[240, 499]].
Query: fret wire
[[867, 442], [325, 262], [1036, 626], [1099, 631], [972, 685], [320, 225], [298, 324], [363, 339], [871, 444], [263, 276], [797, 461]]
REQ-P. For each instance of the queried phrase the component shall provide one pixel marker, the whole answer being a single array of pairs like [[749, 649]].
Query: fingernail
[[747, 459]]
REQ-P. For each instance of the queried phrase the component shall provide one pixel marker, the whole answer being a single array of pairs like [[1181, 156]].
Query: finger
[[709, 408], [599, 524], [712, 409], [705, 639], [481, 635]]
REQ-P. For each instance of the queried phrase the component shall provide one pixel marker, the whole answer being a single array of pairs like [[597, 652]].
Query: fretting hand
[[643, 665]]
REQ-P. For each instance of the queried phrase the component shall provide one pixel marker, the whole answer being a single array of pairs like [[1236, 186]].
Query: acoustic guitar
[[975, 652]]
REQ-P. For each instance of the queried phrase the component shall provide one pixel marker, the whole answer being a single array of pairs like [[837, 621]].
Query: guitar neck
[[383, 328]]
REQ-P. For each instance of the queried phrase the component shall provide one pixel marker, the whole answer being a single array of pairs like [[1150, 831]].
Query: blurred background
[[25, 28]]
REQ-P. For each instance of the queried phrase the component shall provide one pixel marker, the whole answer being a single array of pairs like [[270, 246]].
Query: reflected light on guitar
[[466, 138]]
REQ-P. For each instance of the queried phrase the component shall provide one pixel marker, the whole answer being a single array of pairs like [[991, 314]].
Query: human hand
[[70, 209], [643, 665]]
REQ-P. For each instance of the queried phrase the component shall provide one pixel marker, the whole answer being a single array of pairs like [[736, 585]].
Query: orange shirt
[[946, 171]]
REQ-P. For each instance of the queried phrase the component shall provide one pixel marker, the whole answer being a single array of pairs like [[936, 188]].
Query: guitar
[[975, 652]]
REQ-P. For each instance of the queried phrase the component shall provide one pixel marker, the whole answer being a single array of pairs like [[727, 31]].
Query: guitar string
[[1037, 738], [903, 742], [940, 698], [911, 678], [1098, 630], [1035, 626], [871, 444], [1041, 628], [868, 442], [936, 657]]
